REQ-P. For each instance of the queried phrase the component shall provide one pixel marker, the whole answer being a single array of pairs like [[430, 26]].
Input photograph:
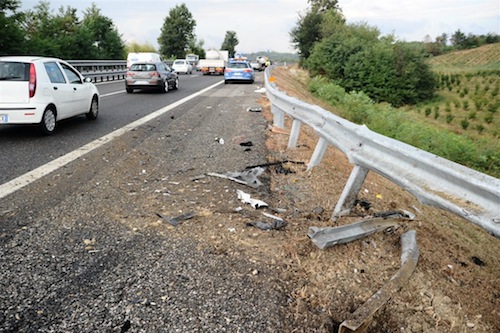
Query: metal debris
[[273, 225], [254, 109], [245, 198], [326, 237], [361, 319], [247, 177], [175, 221]]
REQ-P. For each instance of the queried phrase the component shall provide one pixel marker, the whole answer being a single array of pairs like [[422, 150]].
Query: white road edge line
[[32, 176]]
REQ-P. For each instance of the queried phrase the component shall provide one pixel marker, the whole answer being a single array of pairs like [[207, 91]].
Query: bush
[[392, 123]]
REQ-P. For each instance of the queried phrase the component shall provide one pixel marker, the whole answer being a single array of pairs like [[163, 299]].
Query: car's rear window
[[14, 71], [179, 62], [143, 67], [237, 65]]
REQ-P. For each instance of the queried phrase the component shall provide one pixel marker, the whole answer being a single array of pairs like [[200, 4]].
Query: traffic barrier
[[433, 180], [101, 70]]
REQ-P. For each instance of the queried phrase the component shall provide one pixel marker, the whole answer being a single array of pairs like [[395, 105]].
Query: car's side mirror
[[87, 80]]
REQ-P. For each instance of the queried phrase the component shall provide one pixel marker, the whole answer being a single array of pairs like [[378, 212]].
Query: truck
[[193, 59], [214, 62], [134, 57]]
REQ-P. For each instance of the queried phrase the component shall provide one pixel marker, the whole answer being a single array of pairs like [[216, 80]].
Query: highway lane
[[23, 148]]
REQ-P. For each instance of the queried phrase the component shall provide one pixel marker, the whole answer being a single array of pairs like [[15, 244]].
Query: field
[[468, 100]]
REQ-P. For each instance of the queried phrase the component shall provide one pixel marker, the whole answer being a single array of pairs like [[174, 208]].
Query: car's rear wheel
[[48, 123], [129, 90], [94, 109], [166, 88]]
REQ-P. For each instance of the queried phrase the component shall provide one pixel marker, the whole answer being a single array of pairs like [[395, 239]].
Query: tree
[[306, 33], [324, 5], [107, 43], [12, 36], [458, 39], [136, 47], [196, 47], [230, 42], [177, 32]]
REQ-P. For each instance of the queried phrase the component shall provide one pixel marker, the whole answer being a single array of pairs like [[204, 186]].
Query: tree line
[[358, 58], [44, 32]]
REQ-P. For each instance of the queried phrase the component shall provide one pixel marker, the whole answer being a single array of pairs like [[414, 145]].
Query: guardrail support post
[[294, 134], [279, 116], [350, 192], [318, 153]]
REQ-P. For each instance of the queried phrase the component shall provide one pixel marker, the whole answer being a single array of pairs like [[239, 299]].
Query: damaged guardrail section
[[433, 180]]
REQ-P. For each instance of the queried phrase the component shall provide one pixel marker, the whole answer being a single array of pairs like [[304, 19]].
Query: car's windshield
[[143, 67], [14, 71]]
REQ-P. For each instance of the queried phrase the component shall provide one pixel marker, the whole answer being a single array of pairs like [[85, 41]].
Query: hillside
[[481, 58]]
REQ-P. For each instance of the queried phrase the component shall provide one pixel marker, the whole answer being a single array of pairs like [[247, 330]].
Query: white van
[[134, 57]]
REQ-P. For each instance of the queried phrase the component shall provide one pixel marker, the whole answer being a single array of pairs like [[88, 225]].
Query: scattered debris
[[361, 319], [478, 261], [255, 203], [365, 204], [273, 225], [246, 144], [326, 237], [175, 221], [247, 177], [261, 90], [395, 214], [220, 140], [274, 163], [254, 109]]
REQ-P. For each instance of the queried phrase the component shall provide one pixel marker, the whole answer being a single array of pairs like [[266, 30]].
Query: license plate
[[142, 82], [4, 118]]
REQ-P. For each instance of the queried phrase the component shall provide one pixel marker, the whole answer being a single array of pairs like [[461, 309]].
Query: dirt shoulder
[[455, 287]]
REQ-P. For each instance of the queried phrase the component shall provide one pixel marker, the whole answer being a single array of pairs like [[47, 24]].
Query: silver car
[[157, 76]]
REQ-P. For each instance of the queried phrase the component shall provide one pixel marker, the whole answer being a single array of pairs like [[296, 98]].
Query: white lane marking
[[29, 177], [111, 93]]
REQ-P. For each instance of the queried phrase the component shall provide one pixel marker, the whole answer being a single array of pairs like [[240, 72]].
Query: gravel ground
[[83, 250]]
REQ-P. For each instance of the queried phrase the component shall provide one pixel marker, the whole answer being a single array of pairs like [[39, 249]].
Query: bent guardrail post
[[433, 180], [361, 319], [318, 153], [294, 134], [350, 192]]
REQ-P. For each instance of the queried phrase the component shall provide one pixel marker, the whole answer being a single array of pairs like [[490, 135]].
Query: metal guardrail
[[433, 180], [101, 70]]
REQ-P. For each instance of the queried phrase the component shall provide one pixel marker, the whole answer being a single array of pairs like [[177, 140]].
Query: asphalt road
[[81, 249], [23, 149]]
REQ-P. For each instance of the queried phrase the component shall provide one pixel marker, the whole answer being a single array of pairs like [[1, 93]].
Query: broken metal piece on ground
[[326, 237], [395, 214], [247, 177], [175, 221], [365, 204], [273, 225], [245, 198], [361, 319], [246, 144], [254, 109]]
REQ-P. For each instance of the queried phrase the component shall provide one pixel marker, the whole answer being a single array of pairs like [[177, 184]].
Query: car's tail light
[[130, 73], [155, 74], [227, 70], [32, 81], [247, 70]]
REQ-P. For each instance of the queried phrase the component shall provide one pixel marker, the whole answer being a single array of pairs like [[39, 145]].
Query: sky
[[264, 25]]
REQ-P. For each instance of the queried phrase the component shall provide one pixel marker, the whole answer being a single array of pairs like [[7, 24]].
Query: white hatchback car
[[40, 90], [182, 66]]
